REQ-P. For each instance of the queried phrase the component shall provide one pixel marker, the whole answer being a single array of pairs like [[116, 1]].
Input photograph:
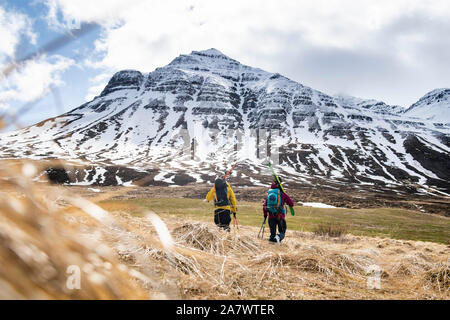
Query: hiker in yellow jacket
[[224, 203]]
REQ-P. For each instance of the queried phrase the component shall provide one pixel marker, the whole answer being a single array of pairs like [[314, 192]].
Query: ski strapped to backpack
[[226, 175], [279, 183]]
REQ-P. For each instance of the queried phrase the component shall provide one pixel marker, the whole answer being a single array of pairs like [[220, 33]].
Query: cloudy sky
[[394, 51]]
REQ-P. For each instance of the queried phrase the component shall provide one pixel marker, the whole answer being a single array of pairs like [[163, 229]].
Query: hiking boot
[[277, 238]]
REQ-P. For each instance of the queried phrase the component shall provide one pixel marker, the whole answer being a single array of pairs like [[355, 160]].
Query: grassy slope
[[383, 222]]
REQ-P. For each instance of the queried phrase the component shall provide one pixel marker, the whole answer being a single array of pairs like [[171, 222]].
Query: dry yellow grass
[[41, 243], [307, 266], [43, 230]]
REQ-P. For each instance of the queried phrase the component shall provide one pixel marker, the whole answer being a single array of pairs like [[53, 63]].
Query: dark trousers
[[273, 224], [222, 218]]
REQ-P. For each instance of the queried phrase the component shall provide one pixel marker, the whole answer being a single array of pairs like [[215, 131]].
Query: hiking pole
[[281, 186], [263, 226]]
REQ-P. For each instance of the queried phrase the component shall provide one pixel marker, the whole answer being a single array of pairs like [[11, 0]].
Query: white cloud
[[69, 14], [34, 79], [13, 26], [144, 35]]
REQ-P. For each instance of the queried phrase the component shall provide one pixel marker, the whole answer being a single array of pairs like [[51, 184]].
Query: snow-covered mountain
[[188, 121], [435, 106]]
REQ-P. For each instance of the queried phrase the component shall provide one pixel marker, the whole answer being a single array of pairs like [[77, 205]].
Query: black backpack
[[221, 190]]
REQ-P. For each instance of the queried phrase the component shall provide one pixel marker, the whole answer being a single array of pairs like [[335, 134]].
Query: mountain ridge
[[209, 105], [434, 105]]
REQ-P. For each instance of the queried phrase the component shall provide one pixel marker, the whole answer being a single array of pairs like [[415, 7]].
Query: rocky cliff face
[[203, 111]]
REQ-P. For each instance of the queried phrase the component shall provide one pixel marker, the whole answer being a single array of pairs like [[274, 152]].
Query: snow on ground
[[129, 184], [256, 182], [316, 205]]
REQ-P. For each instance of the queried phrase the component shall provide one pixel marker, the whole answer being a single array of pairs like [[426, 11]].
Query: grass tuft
[[330, 230], [439, 277]]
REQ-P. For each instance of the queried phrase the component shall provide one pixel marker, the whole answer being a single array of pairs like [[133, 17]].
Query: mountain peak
[[439, 90], [205, 59], [212, 52], [124, 79], [435, 105], [434, 96]]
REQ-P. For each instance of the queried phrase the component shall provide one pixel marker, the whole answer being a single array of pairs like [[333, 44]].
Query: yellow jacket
[[212, 194]]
